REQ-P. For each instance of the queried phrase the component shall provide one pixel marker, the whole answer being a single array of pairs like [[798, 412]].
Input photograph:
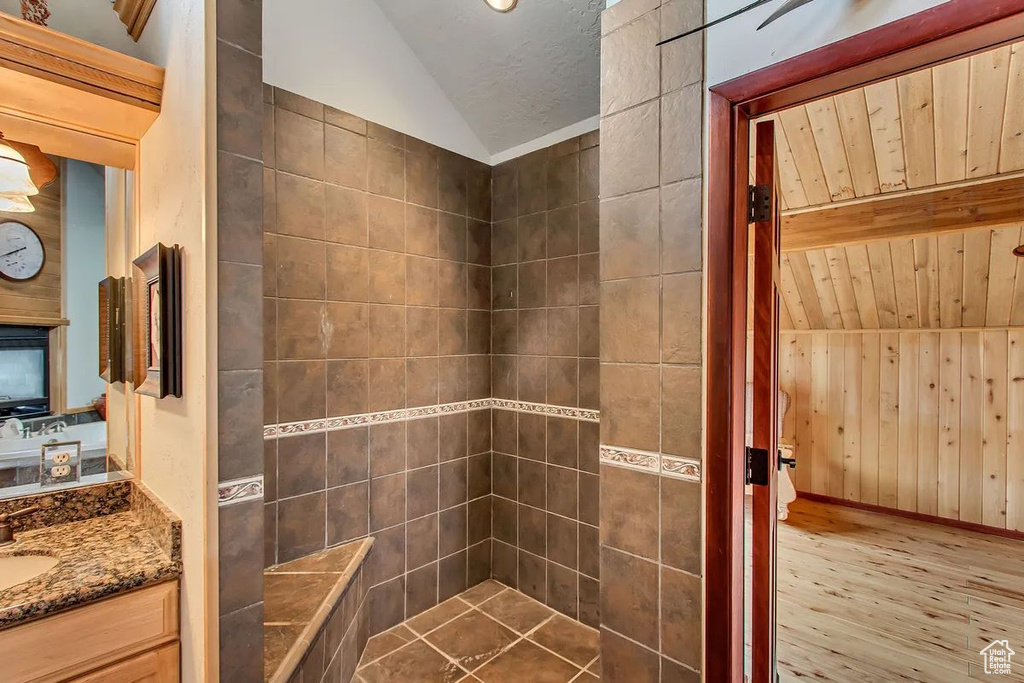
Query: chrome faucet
[[54, 428], [6, 531]]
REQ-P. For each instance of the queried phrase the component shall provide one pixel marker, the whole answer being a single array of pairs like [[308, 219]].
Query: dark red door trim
[[947, 31]]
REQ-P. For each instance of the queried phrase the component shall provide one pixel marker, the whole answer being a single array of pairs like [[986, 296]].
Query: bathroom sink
[[15, 569]]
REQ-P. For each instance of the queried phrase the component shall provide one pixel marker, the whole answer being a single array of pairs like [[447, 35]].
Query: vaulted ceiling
[[959, 279], [514, 77], [955, 122]]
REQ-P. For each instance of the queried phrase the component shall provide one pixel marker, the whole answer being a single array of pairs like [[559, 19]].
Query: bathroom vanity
[[89, 587]]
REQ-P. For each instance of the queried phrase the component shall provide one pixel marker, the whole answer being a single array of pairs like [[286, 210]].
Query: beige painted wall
[[175, 434]]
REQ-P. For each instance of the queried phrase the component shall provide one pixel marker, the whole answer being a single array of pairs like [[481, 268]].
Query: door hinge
[[757, 471], [759, 204]]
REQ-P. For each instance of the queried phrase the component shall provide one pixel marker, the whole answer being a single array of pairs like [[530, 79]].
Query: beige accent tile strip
[[652, 463], [239, 490], [402, 414]]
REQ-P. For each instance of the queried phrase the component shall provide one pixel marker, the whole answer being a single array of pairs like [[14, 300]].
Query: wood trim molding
[[73, 98], [134, 14], [916, 516], [35, 49], [997, 202]]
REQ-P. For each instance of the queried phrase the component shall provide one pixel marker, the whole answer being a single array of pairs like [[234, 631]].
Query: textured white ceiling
[[514, 77]]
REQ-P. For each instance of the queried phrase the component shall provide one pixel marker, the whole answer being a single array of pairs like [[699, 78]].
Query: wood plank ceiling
[[955, 122], [953, 280]]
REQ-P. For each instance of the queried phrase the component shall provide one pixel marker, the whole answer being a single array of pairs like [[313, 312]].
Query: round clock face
[[21, 251]]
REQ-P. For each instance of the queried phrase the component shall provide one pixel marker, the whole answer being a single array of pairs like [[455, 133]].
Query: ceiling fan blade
[[785, 9]]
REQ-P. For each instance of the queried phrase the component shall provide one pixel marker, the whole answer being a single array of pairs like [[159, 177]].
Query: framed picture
[[156, 340], [112, 328]]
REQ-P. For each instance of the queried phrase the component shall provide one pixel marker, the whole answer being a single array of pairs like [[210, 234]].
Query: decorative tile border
[[545, 409], [239, 490], [652, 463], [332, 424]]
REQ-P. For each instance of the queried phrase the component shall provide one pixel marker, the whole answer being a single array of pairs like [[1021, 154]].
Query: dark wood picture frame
[[156, 338], [112, 329]]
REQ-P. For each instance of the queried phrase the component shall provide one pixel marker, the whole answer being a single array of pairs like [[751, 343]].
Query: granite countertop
[[99, 557]]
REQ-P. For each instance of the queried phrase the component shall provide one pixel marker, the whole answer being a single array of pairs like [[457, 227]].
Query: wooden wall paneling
[[948, 485], [842, 282], [852, 391], [972, 404], [869, 411], [951, 279], [822, 278], [928, 424], [906, 494], [828, 138], [808, 292], [836, 416], [819, 419], [38, 299], [803, 404], [785, 319], [791, 294], [889, 418], [926, 265], [1002, 269], [787, 380], [863, 287], [855, 124], [886, 134], [918, 124], [977, 249], [792, 194], [1011, 151], [951, 88], [993, 456], [905, 282], [989, 76], [880, 258], [805, 152], [1017, 307], [1015, 431]]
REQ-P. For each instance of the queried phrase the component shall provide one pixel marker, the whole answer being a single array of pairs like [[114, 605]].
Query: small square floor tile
[[517, 611], [569, 639], [472, 639], [436, 616], [414, 663], [525, 661], [483, 591]]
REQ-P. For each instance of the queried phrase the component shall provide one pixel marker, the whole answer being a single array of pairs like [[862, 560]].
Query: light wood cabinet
[[124, 639]]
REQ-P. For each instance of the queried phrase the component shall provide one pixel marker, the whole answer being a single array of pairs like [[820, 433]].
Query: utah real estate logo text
[[997, 657]]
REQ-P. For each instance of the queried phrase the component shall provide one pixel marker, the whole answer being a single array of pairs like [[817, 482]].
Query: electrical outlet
[[60, 471], [62, 457]]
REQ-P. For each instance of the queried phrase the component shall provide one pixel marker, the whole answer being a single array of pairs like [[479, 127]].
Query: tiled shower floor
[[489, 634]]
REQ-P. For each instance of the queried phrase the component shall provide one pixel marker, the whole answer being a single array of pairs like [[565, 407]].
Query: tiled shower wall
[[545, 342], [239, 232], [651, 303], [376, 300]]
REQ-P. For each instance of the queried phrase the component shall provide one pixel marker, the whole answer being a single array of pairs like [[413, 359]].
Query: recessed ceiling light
[[502, 5], [1019, 251]]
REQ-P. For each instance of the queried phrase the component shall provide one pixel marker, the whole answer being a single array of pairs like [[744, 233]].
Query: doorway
[[943, 34]]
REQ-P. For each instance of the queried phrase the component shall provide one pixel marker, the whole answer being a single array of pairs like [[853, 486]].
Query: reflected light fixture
[[502, 5], [15, 178], [16, 205]]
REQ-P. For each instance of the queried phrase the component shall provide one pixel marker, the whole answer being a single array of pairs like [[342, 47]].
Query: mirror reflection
[[62, 424]]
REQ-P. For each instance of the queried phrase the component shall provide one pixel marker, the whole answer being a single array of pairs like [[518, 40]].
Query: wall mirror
[[67, 415]]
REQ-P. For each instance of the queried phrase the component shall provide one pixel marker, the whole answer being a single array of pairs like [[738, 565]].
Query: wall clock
[[21, 252]]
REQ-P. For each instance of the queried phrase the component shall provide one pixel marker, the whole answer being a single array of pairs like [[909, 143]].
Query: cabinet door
[[155, 666]]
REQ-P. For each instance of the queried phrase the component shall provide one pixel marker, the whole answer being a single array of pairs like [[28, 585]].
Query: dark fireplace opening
[[24, 371]]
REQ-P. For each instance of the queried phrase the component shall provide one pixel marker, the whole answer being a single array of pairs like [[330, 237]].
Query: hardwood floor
[[864, 596]]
